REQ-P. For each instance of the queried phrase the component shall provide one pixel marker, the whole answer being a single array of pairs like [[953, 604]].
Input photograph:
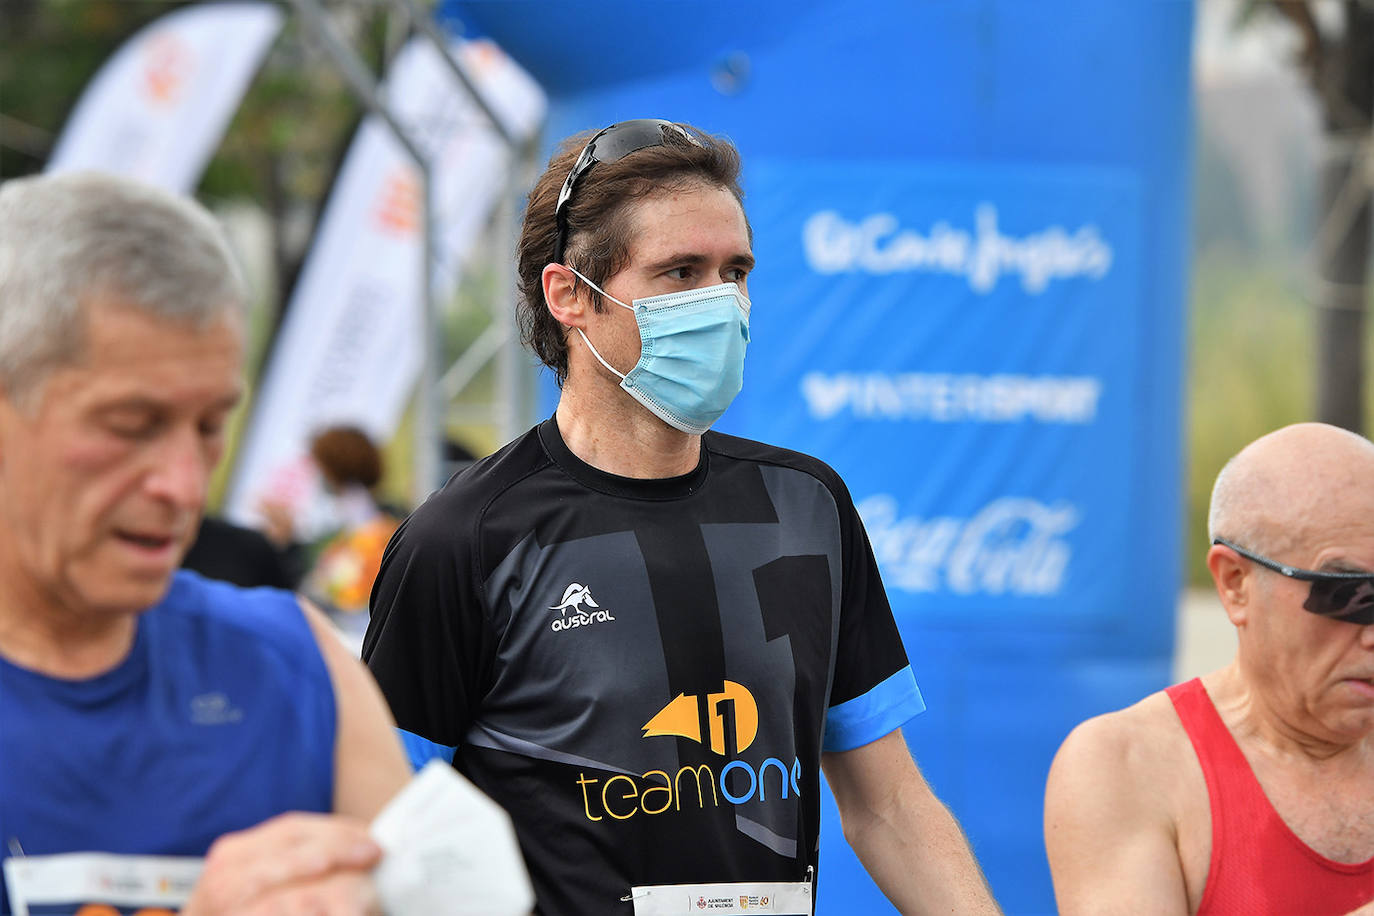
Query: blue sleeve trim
[[870, 716], [421, 750]]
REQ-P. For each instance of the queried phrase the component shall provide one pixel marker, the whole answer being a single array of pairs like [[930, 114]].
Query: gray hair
[[67, 240], [1241, 509], [1226, 504]]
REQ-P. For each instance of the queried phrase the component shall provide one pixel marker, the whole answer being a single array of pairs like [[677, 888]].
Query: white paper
[[449, 849]]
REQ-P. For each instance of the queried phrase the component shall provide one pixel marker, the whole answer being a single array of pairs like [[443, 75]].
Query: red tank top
[[1258, 865]]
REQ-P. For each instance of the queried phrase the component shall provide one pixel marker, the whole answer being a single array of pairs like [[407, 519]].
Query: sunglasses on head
[[1341, 596], [611, 145]]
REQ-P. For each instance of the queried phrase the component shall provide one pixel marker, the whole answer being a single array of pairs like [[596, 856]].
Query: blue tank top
[[221, 716]]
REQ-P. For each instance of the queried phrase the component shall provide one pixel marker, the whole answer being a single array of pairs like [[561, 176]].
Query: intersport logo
[[879, 244], [1012, 546], [935, 397]]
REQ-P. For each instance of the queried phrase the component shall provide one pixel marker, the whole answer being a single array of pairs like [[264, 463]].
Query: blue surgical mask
[[691, 353]]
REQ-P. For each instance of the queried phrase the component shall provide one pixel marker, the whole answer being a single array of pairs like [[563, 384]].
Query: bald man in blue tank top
[[167, 742]]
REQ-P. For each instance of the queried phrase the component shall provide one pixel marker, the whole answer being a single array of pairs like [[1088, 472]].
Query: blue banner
[[964, 347]]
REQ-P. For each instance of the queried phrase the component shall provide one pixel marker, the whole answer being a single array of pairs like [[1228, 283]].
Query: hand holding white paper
[[449, 849]]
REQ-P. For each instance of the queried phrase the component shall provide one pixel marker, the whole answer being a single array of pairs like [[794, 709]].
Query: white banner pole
[[352, 342]]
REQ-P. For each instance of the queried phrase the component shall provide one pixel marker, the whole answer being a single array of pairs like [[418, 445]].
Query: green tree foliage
[[49, 49], [1337, 59]]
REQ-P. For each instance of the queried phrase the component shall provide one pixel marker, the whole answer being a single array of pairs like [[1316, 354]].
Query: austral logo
[[578, 599], [727, 722]]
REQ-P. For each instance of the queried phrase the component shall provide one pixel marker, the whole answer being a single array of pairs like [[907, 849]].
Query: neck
[[623, 438], [1265, 719], [41, 633]]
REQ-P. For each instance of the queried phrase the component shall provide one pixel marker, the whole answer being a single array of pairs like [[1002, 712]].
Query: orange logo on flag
[[167, 62], [398, 209], [483, 56]]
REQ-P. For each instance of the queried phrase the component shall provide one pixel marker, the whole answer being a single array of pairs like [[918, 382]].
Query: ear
[[567, 308], [1231, 575]]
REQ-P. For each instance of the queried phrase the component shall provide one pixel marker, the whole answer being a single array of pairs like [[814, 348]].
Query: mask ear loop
[[609, 367], [597, 288]]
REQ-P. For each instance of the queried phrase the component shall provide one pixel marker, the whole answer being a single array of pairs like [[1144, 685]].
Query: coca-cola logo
[[877, 244], [1012, 546]]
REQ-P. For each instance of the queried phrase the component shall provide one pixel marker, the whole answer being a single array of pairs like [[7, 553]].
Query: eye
[[680, 273], [735, 274], [134, 425], [211, 427]]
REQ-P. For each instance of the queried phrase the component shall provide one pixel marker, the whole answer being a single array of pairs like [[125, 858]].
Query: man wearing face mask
[[642, 637]]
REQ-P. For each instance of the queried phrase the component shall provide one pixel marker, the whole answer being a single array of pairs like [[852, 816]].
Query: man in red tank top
[[1251, 789]]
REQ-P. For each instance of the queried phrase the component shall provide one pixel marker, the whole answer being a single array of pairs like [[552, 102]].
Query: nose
[[180, 472]]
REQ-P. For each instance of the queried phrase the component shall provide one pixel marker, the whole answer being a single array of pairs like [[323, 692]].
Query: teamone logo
[[878, 244], [578, 599], [732, 724]]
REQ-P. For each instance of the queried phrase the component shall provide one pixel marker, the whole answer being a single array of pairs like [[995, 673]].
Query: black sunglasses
[[1341, 596], [611, 145]]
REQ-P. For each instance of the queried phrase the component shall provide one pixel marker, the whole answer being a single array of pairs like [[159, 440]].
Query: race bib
[[100, 884], [739, 899]]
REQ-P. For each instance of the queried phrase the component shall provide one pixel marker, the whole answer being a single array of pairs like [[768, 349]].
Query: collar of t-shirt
[[615, 485]]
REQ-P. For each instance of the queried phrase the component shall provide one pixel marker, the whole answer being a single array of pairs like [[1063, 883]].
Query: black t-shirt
[[642, 672]]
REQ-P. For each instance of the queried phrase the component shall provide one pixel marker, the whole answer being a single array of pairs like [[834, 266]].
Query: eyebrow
[[1343, 568], [743, 259], [143, 403]]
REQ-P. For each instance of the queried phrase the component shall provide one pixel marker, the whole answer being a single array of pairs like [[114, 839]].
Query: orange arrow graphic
[[677, 718], [680, 717]]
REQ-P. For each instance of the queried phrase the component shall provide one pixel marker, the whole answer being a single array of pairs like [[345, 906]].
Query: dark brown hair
[[598, 242], [346, 455]]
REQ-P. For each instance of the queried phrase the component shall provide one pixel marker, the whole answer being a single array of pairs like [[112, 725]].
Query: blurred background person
[[341, 564], [232, 553]]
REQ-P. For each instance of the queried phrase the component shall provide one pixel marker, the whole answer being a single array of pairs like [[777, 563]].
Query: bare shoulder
[[1131, 744], [1136, 761], [1113, 803], [369, 764]]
